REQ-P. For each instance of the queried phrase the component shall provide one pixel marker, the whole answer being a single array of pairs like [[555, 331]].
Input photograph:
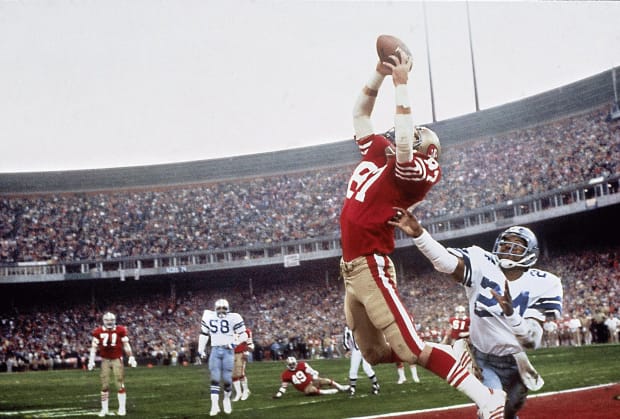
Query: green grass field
[[183, 392]]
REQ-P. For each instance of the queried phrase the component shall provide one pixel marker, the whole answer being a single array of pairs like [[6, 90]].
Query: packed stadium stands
[[47, 325], [307, 314], [103, 225]]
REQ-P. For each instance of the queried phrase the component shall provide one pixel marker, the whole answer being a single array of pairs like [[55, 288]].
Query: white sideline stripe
[[50, 413], [460, 406]]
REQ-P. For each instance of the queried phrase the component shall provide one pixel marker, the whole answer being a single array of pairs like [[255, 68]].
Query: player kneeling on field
[[306, 379]]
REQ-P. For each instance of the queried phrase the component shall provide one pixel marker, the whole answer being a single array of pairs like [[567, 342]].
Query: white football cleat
[[245, 395], [102, 413], [215, 409], [121, 413], [237, 397], [494, 407], [401, 380], [227, 405]]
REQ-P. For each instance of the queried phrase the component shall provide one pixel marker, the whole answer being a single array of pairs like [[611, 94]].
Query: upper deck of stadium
[[576, 97]]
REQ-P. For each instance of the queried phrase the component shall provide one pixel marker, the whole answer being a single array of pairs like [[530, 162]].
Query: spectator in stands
[[162, 220]]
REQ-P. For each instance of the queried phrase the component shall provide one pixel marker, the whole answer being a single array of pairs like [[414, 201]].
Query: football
[[387, 45]]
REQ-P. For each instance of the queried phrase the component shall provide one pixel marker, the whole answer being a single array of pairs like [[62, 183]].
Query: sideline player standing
[[402, 378], [502, 327], [389, 173], [223, 329], [348, 341], [459, 326], [111, 339], [306, 379], [240, 381]]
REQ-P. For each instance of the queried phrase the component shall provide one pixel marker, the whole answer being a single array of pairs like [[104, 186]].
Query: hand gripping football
[[387, 45]]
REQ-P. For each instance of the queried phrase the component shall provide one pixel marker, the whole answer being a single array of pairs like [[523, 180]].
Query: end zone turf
[[596, 402]]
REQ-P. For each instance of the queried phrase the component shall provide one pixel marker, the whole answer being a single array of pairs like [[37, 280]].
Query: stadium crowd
[[103, 225], [303, 318]]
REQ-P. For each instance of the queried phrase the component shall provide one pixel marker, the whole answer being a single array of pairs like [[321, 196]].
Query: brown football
[[387, 45]]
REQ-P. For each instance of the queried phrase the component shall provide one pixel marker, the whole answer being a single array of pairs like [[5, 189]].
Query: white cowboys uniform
[[535, 293], [224, 330]]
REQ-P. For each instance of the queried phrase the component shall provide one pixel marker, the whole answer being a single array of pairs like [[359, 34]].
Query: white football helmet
[[221, 307], [109, 320], [291, 363], [527, 252], [426, 142], [460, 312]]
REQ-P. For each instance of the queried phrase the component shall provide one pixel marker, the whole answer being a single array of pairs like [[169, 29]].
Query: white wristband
[[515, 321], [401, 95], [441, 259], [375, 80]]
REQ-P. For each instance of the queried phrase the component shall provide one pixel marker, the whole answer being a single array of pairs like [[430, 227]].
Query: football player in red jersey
[[459, 326], [401, 172], [306, 379], [239, 380], [111, 339]]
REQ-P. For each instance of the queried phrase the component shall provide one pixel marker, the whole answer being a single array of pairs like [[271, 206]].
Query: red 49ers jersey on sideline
[[299, 378], [457, 326], [111, 341], [378, 184]]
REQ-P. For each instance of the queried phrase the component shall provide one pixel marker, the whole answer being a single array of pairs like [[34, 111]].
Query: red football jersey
[[377, 184], [458, 326], [110, 341], [243, 346], [300, 378]]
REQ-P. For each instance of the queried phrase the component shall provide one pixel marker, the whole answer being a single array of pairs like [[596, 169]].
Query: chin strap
[[523, 263]]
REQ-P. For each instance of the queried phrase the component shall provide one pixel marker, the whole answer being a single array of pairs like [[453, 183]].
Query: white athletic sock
[[105, 399], [328, 391], [122, 400], [474, 389]]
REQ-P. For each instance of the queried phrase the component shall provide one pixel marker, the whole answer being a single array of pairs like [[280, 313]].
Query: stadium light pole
[[428, 60], [473, 64]]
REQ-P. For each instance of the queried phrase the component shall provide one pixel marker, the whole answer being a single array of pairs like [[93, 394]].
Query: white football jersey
[[533, 294], [222, 330]]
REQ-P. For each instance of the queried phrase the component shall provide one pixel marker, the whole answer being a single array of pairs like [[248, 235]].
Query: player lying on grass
[[306, 379]]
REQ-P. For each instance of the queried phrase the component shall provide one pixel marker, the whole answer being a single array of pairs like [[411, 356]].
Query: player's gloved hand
[[91, 365], [132, 362]]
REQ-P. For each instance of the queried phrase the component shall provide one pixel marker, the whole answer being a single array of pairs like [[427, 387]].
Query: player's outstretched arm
[[442, 260], [403, 121], [365, 102]]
